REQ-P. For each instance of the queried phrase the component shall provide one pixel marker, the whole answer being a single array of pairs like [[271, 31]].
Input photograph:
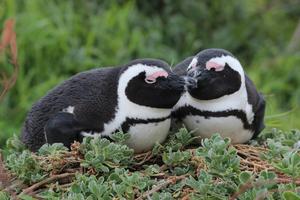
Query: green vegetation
[[99, 169], [57, 39]]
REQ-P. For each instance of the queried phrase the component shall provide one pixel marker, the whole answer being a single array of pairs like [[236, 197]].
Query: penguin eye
[[152, 78], [150, 81]]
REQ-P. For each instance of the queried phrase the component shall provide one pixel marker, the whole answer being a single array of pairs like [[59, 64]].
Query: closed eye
[[150, 81]]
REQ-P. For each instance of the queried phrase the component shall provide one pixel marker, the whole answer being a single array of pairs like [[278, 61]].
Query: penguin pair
[[209, 92], [136, 98], [223, 100]]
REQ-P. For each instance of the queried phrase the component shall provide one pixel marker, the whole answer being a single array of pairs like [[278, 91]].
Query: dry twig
[[170, 180], [46, 181]]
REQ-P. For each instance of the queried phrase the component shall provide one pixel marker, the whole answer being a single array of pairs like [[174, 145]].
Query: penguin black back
[[79, 90]]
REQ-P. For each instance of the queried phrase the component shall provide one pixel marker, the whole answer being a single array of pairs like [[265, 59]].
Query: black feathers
[[92, 93]]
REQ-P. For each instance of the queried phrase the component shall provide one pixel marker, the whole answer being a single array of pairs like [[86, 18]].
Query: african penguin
[[224, 100], [136, 98]]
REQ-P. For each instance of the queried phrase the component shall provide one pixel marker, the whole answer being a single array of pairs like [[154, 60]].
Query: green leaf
[[244, 177], [120, 137], [52, 149], [26, 197], [14, 144], [288, 195], [75, 188], [4, 196]]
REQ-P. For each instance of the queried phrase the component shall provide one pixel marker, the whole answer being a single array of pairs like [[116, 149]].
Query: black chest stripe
[[132, 121], [189, 110]]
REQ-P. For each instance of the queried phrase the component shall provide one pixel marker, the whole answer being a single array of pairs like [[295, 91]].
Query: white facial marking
[[232, 62], [69, 109], [193, 64]]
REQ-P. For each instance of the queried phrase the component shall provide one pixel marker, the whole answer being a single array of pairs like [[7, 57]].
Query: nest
[[64, 169]]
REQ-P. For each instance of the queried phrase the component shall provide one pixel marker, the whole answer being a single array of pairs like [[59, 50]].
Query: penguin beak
[[195, 73], [174, 82], [190, 82]]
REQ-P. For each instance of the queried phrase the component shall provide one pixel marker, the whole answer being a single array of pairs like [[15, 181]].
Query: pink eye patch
[[152, 78], [213, 65]]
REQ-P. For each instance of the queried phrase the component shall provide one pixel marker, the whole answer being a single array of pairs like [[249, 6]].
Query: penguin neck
[[236, 100]]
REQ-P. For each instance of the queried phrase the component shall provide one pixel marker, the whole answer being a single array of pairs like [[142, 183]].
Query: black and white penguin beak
[[173, 82], [190, 82], [195, 72]]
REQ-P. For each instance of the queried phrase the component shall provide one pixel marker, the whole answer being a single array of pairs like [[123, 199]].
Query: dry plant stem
[[242, 189], [66, 185], [147, 157], [287, 180], [8, 40], [170, 180], [5, 178], [45, 181], [261, 167], [250, 185]]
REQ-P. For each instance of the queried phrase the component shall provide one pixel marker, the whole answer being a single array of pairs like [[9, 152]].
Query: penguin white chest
[[229, 126], [144, 136]]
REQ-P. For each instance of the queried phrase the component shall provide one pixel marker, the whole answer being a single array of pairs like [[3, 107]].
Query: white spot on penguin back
[[90, 133], [69, 109]]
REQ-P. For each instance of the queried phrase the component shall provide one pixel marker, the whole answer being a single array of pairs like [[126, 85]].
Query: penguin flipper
[[62, 128], [258, 123], [258, 103]]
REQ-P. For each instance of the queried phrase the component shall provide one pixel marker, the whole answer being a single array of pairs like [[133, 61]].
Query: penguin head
[[217, 73], [150, 82]]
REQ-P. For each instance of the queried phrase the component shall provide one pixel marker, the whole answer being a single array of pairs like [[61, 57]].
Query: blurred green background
[[57, 39]]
